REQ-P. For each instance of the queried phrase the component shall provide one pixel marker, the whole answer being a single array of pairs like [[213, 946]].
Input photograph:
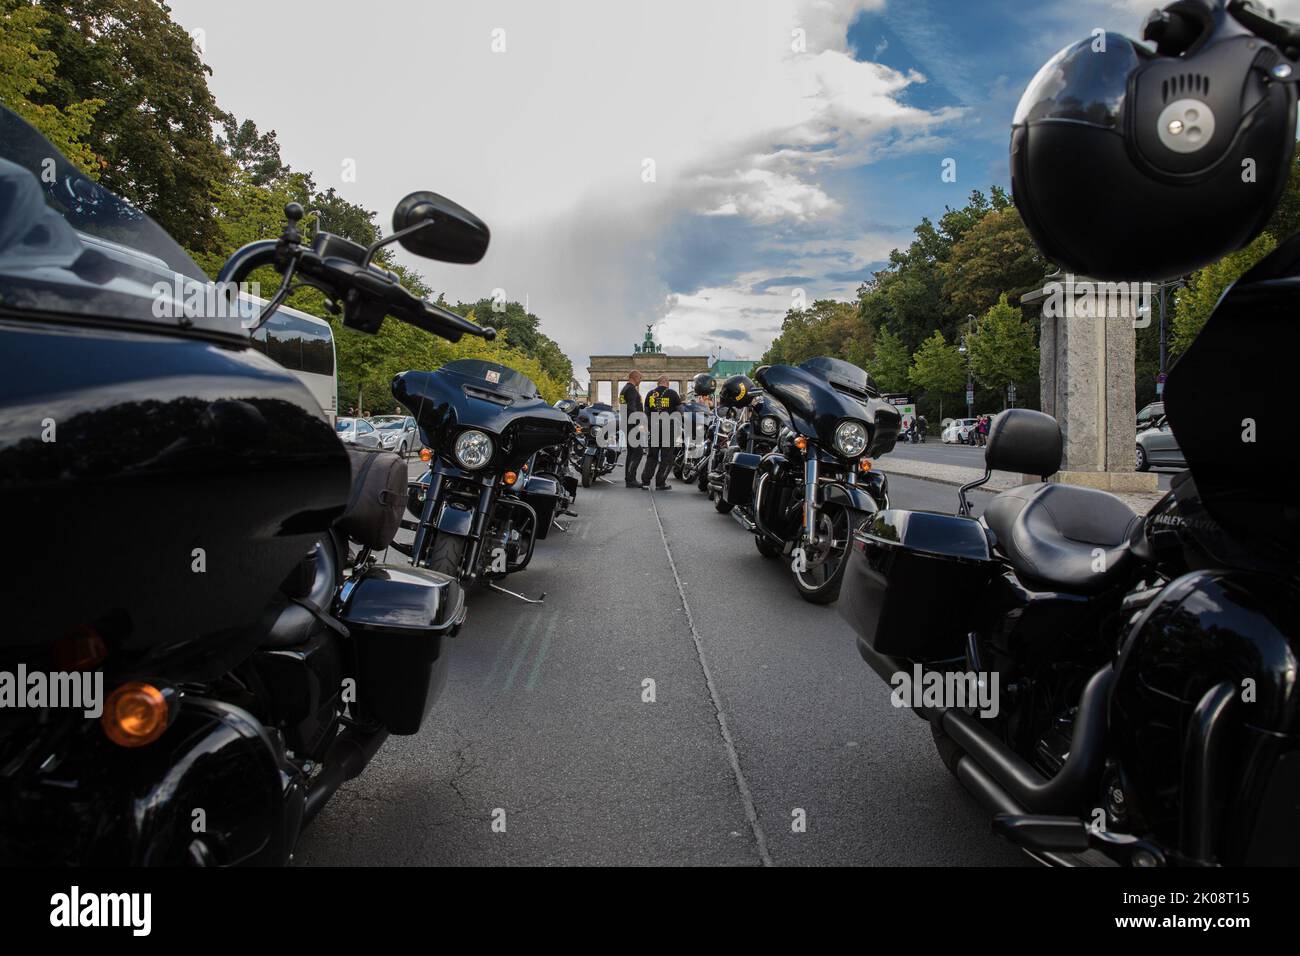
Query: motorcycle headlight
[[851, 439], [769, 424], [473, 449]]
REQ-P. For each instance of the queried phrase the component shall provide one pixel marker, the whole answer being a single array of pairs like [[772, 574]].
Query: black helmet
[[736, 392], [704, 384], [1129, 164]]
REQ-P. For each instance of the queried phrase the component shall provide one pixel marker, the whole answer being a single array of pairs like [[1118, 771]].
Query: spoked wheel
[[819, 575]]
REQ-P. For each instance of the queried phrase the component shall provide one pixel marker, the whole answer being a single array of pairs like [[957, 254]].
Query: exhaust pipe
[[1000, 777], [348, 755]]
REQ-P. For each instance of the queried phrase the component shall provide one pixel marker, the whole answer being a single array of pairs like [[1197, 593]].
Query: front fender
[[849, 496], [454, 519]]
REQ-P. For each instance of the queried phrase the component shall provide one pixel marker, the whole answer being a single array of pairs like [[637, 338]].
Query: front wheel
[[447, 554], [588, 471], [819, 570], [720, 505], [766, 548]]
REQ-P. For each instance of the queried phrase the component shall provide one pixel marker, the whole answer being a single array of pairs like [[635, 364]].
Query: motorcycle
[[1117, 688], [690, 455], [751, 422], [596, 446], [479, 510], [815, 485], [251, 662]]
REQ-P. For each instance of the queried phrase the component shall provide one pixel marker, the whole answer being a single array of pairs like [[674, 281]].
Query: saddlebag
[[913, 583], [399, 618], [542, 494], [377, 498], [738, 478]]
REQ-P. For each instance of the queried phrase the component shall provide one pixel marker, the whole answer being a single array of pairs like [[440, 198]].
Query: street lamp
[[964, 349]]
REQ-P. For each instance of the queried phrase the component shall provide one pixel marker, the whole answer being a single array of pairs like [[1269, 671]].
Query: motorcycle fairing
[[1227, 400]]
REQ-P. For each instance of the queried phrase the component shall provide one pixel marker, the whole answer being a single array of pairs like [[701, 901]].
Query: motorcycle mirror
[[434, 227]]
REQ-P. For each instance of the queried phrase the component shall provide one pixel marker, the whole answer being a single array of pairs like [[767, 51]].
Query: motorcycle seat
[[289, 619], [1063, 537]]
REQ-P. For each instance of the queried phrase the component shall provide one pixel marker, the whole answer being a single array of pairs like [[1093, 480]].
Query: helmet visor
[[1084, 83]]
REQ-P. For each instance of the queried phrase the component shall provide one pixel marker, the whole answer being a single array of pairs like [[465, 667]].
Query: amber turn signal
[[510, 477], [426, 455], [801, 443], [865, 464], [135, 714], [79, 650]]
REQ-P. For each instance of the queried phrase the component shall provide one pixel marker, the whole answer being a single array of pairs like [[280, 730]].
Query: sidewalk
[[1001, 481]]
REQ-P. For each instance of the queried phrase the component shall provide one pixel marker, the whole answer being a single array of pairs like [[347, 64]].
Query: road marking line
[[751, 813], [506, 644], [541, 654], [519, 658]]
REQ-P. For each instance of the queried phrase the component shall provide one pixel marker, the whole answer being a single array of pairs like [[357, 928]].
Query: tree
[[826, 327], [257, 154], [1196, 301], [153, 130], [1003, 347], [26, 69], [890, 366], [938, 367], [996, 255]]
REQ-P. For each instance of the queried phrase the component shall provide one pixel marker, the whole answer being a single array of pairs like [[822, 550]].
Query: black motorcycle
[[479, 509], [748, 422], [691, 455], [1123, 688], [806, 496], [597, 451], [250, 661]]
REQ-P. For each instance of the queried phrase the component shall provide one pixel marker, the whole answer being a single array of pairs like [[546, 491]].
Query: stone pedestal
[[1086, 345]]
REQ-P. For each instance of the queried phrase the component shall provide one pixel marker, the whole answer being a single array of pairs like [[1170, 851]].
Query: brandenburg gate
[[607, 374]]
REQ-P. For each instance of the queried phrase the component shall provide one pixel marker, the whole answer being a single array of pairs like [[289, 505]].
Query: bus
[[304, 345]]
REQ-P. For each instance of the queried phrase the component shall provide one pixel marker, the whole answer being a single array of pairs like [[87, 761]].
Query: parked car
[[1157, 447], [1150, 415], [959, 430], [357, 431], [396, 433]]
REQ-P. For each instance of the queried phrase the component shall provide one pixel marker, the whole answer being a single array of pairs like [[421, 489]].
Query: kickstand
[[493, 586], [555, 522]]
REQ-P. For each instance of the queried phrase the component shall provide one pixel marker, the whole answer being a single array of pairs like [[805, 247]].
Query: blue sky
[[692, 164]]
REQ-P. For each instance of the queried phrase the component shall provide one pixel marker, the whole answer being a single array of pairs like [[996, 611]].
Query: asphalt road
[[972, 457], [762, 708]]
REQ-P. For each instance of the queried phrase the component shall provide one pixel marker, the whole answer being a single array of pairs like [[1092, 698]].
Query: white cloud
[[546, 140]]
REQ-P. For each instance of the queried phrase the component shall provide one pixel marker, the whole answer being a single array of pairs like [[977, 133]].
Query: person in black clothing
[[661, 403], [630, 399]]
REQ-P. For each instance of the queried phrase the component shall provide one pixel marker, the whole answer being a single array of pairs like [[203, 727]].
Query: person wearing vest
[[661, 407], [630, 398]]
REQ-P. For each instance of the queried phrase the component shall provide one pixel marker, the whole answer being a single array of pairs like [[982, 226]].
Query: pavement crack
[[742, 785]]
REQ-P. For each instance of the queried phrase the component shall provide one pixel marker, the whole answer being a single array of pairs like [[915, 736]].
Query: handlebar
[[367, 292]]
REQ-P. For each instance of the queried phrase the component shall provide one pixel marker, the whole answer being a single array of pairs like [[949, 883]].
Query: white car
[[958, 430], [357, 431], [397, 433]]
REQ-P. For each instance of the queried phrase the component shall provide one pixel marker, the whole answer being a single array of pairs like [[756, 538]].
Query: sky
[[698, 165]]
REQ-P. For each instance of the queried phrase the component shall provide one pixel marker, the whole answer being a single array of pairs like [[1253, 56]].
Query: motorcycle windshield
[[70, 246], [496, 376], [1227, 400]]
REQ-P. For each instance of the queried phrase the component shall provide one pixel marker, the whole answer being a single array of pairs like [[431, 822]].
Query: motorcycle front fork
[[810, 476]]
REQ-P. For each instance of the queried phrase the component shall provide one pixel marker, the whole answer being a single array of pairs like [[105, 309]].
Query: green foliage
[[889, 367], [995, 256], [826, 327], [26, 69], [153, 130], [521, 330], [1196, 301], [938, 367], [1003, 347]]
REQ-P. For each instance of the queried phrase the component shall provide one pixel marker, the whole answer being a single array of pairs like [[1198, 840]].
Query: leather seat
[[1050, 533], [285, 621]]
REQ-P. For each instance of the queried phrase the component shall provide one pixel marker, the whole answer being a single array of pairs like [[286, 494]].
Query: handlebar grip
[[248, 259], [445, 321]]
